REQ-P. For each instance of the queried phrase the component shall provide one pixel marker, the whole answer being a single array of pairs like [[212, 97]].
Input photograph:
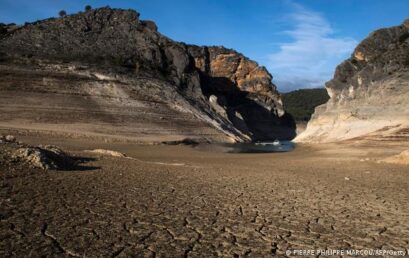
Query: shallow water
[[258, 147]]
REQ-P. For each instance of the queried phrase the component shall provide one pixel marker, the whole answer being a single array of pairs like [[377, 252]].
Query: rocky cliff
[[112, 70], [369, 93]]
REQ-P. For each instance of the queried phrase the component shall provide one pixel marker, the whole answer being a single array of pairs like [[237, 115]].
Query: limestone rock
[[369, 94], [108, 153], [118, 43], [214, 103], [9, 138], [44, 157], [402, 158]]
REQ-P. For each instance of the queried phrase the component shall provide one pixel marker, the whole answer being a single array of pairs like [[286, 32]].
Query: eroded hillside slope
[[107, 72], [369, 94]]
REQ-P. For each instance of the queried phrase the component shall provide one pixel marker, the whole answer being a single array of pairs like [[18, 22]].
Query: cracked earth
[[210, 205]]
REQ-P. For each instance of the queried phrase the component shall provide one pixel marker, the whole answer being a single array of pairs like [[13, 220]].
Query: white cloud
[[310, 59]]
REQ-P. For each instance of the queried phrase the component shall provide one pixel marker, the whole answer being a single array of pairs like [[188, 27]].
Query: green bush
[[301, 103], [62, 13]]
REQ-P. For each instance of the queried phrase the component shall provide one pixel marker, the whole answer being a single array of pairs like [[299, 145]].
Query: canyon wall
[[369, 94], [114, 60]]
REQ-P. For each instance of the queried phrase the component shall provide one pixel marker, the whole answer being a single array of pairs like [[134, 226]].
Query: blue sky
[[299, 41]]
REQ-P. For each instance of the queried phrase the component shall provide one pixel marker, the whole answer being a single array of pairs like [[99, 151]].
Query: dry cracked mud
[[176, 201]]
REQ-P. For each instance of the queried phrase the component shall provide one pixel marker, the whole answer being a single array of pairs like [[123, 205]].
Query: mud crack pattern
[[234, 206]]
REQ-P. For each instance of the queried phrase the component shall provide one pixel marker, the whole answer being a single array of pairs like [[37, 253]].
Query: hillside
[[369, 93], [301, 103], [107, 73]]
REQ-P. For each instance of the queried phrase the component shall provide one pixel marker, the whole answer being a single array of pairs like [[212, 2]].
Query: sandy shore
[[177, 201]]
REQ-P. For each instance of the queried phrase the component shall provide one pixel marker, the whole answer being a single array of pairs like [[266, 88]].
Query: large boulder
[[44, 157]]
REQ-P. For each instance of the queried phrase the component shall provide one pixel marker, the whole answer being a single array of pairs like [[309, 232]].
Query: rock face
[[369, 94], [110, 53]]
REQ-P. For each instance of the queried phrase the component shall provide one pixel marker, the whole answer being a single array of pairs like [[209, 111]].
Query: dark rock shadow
[[79, 164], [262, 123], [66, 162]]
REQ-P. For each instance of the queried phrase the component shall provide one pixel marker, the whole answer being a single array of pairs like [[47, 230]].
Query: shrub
[[88, 8], [62, 13], [301, 103]]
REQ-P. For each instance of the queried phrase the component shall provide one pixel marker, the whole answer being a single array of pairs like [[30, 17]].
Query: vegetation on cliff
[[301, 103]]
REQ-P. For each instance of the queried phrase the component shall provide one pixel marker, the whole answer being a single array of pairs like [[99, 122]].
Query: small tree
[[62, 13], [88, 8]]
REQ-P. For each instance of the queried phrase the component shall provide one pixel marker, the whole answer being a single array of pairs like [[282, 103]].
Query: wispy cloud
[[311, 57]]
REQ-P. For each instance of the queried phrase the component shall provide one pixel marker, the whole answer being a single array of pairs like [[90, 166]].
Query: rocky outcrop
[[45, 157], [115, 45], [401, 158], [369, 93]]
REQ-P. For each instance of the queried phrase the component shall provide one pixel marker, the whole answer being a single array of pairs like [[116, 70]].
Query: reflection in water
[[260, 147], [257, 147]]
